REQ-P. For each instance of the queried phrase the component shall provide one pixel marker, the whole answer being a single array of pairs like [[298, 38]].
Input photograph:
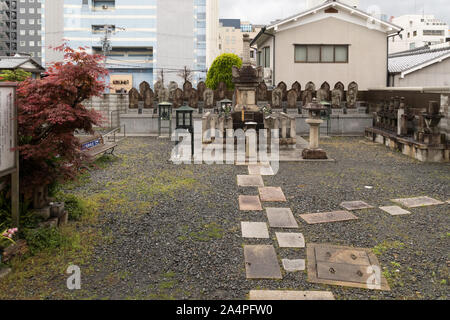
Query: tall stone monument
[[246, 80]]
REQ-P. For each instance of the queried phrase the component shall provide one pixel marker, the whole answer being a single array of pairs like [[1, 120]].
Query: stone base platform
[[409, 147]]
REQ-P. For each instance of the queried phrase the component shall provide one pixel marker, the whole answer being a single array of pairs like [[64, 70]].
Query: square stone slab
[[417, 202], [395, 210], [281, 218], [290, 240], [250, 181], [249, 203], [255, 230], [272, 194], [261, 262], [326, 217], [344, 266], [264, 170], [355, 205], [293, 265], [274, 295]]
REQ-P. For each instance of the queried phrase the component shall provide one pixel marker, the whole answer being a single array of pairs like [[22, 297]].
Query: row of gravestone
[[209, 97], [178, 96], [335, 96]]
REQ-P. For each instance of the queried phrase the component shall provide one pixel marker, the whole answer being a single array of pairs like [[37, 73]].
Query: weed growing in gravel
[[210, 231], [387, 245]]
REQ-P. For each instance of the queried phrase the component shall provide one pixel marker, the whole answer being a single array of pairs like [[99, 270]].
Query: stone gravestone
[[308, 94], [261, 92], [163, 95], [134, 98], [208, 98], [283, 88], [221, 90], [298, 88], [158, 86], [177, 98], [146, 94], [201, 87], [187, 87], [292, 99], [340, 86], [172, 87], [193, 99], [277, 95], [336, 98], [326, 89], [352, 95]]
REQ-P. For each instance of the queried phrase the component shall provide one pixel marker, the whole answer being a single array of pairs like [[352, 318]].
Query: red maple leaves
[[50, 110]]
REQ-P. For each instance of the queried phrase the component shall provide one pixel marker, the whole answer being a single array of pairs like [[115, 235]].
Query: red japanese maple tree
[[50, 110]]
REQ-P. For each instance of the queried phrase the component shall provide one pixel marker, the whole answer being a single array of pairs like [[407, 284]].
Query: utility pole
[[106, 41]]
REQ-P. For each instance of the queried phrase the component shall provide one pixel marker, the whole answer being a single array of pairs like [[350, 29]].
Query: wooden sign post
[[9, 155]]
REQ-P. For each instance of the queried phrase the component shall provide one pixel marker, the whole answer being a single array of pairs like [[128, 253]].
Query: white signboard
[[7, 129]]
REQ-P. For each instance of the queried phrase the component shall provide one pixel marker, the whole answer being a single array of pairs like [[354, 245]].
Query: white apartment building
[[418, 31]]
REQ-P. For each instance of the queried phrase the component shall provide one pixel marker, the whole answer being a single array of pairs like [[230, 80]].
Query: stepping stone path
[[355, 205], [417, 202], [290, 295], [290, 240], [264, 170], [271, 194], [325, 217], [281, 218], [250, 181], [293, 265], [261, 262], [249, 203], [395, 210], [255, 230]]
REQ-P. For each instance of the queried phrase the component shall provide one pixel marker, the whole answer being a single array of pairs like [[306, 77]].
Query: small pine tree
[[221, 70]]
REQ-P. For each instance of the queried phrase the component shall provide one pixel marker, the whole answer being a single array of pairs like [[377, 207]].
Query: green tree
[[17, 75], [221, 70]]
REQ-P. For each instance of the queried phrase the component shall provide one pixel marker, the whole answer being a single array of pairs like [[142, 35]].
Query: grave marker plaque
[[344, 266]]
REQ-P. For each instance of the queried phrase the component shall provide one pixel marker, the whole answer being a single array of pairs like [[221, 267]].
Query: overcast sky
[[264, 11]]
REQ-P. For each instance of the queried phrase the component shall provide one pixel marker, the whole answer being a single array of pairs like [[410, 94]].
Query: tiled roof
[[15, 62], [11, 63], [404, 61]]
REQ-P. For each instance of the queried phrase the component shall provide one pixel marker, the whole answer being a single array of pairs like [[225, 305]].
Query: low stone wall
[[339, 125]]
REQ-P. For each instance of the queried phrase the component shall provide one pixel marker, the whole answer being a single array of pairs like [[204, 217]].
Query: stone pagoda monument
[[246, 80]]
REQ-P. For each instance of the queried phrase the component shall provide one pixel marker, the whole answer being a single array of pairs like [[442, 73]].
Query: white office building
[[418, 31]]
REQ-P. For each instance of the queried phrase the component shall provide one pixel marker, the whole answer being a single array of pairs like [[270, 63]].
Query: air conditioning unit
[[267, 73]]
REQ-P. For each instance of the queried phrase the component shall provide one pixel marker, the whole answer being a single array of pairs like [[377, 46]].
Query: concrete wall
[[175, 37], [53, 30], [367, 54], [436, 75]]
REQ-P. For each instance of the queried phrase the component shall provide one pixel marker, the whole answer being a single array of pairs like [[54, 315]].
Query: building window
[[433, 32], [321, 54], [264, 57]]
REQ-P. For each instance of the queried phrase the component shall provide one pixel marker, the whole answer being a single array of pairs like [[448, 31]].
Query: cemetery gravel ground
[[173, 232]]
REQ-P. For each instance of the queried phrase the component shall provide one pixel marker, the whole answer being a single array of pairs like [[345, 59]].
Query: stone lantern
[[184, 121], [165, 114], [314, 120]]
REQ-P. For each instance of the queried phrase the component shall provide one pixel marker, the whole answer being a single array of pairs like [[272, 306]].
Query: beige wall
[[367, 54], [436, 75], [235, 40]]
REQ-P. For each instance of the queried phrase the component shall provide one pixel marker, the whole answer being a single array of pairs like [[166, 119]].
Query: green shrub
[[44, 238], [221, 70]]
